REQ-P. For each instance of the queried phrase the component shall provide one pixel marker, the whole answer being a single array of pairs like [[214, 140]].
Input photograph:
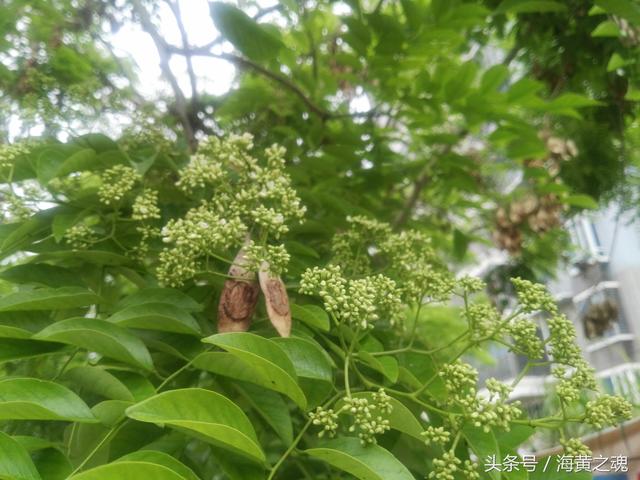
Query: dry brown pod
[[276, 300], [239, 297]]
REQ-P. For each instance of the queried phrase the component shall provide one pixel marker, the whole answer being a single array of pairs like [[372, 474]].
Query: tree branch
[[165, 55], [418, 185], [175, 8]]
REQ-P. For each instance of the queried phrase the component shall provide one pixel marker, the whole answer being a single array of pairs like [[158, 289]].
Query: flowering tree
[[190, 300]]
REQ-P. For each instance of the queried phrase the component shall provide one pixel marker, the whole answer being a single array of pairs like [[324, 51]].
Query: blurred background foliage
[[485, 123]]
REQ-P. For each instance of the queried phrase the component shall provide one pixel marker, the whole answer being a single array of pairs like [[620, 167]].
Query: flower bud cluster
[[327, 419], [471, 284], [436, 435], [573, 447], [80, 236], [350, 248], [15, 208], [428, 282], [199, 173], [525, 337], [533, 296], [200, 233], [117, 181], [276, 256], [445, 467], [470, 470], [10, 152], [369, 417], [607, 410], [144, 134], [483, 320], [460, 380], [358, 302], [145, 206], [242, 194]]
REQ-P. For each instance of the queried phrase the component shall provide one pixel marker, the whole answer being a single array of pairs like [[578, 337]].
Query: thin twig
[[165, 55]]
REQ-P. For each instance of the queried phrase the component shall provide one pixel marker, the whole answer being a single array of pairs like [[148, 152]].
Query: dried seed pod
[[239, 297], [276, 300]]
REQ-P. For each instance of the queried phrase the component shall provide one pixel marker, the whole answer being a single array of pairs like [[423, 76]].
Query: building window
[[601, 315], [584, 235]]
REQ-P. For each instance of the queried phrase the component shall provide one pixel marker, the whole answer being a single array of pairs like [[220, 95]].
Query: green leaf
[[312, 315], [386, 365], [266, 359], [400, 418], [308, 358], [160, 458], [161, 295], [582, 201], [371, 462], [633, 94], [623, 8], [483, 444], [84, 159], [95, 257], [99, 336], [313, 366], [617, 61], [129, 470], [14, 349], [42, 275], [271, 407], [530, 6], [204, 414], [32, 399], [606, 29], [52, 464], [22, 324], [15, 462], [99, 381], [494, 78], [48, 299], [571, 100], [157, 316], [252, 39], [186, 347]]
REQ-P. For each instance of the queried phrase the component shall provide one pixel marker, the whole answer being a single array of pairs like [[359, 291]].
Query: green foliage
[[147, 278]]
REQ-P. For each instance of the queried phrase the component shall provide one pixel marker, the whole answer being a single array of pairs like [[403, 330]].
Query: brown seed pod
[[239, 297], [276, 300]]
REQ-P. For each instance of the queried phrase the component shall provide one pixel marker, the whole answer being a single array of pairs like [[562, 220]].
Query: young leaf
[[204, 414], [266, 358], [48, 299], [581, 201], [129, 470], [371, 462], [157, 316], [32, 399], [15, 462], [251, 38], [99, 336]]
